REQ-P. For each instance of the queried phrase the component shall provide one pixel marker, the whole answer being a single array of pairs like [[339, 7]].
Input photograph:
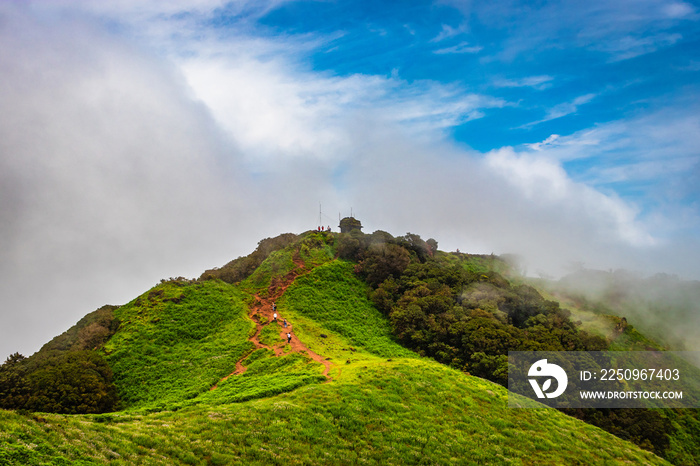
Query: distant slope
[[663, 307]]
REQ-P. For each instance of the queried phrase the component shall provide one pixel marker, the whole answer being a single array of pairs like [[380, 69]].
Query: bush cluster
[[68, 375], [69, 382], [455, 308]]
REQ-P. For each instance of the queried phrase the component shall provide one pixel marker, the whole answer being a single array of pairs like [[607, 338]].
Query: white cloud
[[273, 107], [544, 181], [547, 142], [677, 10], [507, 202], [448, 32], [463, 47], [112, 177], [119, 166], [567, 108], [137, 12], [539, 83], [563, 109], [620, 29], [626, 47], [654, 156], [665, 138]]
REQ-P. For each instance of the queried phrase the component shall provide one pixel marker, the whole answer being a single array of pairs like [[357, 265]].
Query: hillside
[[203, 375], [662, 306]]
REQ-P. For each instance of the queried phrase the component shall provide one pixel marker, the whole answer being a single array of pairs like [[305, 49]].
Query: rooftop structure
[[349, 224]]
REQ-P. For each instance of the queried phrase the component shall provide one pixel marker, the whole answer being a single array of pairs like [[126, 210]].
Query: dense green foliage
[[456, 308], [71, 382], [65, 376]]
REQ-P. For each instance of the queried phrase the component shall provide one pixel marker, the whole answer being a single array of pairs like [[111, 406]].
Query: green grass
[[406, 411], [477, 264], [270, 334], [313, 248], [266, 376], [278, 264], [331, 300], [317, 248], [176, 341]]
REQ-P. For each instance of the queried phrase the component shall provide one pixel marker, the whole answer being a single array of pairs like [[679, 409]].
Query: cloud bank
[[130, 157]]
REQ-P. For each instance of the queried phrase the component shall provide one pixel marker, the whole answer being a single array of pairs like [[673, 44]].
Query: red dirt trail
[[262, 307]]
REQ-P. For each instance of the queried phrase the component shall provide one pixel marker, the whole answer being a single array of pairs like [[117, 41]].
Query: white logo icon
[[542, 369]]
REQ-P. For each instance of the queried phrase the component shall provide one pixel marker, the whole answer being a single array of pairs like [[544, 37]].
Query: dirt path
[[262, 314]]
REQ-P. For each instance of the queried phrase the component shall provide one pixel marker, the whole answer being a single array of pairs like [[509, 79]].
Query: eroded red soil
[[261, 312]]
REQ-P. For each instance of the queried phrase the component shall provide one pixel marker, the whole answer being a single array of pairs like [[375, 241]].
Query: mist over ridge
[[663, 306]]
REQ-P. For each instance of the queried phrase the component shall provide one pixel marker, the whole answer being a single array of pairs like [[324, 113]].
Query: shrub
[[383, 261], [69, 382]]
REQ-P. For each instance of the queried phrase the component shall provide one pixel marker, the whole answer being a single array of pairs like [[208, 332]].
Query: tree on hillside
[[383, 261], [14, 390], [70, 382], [75, 382], [351, 245]]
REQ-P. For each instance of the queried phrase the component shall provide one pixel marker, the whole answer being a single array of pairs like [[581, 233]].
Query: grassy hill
[[404, 411], [204, 376]]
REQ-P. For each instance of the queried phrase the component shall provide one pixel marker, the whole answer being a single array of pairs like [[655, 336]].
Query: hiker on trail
[[289, 337], [274, 307], [285, 323], [274, 317]]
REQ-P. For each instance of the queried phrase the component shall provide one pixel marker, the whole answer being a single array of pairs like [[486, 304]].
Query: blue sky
[[160, 138], [559, 68], [531, 72]]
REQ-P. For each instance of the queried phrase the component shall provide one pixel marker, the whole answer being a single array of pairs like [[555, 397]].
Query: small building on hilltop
[[349, 224]]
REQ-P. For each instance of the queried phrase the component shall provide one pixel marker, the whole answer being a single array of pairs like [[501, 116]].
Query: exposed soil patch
[[262, 313]]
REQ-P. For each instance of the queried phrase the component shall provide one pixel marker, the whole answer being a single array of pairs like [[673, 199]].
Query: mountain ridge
[[183, 337]]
